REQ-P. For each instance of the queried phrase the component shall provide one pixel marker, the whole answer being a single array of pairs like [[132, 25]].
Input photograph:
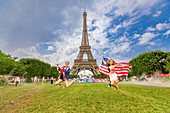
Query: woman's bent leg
[[68, 84], [113, 83], [118, 81], [59, 82]]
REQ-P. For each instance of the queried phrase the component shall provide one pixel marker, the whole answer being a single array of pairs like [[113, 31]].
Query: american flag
[[119, 71]]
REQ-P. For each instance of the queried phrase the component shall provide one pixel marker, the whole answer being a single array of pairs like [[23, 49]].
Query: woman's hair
[[67, 61], [108, 62]]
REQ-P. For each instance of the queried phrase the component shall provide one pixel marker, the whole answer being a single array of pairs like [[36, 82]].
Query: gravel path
[[149, 83]]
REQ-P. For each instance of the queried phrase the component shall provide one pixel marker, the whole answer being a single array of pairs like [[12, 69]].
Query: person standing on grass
[[64, 76], [43, 79], [52, 79], [113, 76], [35, 80], [17, 81], [13, 80], [109, 83]]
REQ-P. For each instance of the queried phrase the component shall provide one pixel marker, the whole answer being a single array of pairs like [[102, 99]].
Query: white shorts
[[113, 77]]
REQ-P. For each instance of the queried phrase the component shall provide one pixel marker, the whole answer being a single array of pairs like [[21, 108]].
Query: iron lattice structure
[[88, 63]]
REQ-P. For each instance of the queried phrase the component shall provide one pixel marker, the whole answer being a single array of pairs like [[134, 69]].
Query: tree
[[54, 72], [18, 70], [6, 63], [148, 62], [35, 67], [100, 76], [72, 76], [167, 64]]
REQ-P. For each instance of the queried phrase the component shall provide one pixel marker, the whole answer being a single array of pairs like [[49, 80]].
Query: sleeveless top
[[63, 69], [112, 70], [67, 71]]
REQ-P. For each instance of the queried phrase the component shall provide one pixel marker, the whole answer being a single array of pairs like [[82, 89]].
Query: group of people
[[35, 79], [65, 70], [111, 68], [16, 80]]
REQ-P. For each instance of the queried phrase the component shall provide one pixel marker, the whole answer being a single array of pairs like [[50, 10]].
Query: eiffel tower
[[85, 60]]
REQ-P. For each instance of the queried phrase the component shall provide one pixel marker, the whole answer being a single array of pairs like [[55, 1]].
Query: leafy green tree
[[3, 81], [167, 64], [148, 62], [72, 76], [100, 76], [54, 72], [6, 63], [25, 66], [35, 67], [18, 70]]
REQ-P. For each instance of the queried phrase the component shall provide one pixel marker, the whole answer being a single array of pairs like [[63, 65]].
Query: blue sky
[[51, 30]]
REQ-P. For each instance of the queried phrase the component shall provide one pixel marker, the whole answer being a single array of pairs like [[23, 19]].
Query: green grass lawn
[[84, 97]]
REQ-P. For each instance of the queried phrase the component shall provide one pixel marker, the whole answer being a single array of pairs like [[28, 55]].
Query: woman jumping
[[65, 73], [113, 76]]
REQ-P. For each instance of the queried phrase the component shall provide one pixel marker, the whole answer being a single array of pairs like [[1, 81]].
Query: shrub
[[3, 81], [72, 76]]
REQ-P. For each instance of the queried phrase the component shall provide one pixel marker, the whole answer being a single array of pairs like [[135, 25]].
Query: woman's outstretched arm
[[58, 69]]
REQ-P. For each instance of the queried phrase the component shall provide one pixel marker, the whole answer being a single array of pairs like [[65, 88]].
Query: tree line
[[26, 67], [149, 63]]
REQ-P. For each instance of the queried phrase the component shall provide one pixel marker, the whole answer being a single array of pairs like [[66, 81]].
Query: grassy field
[[84, 97]]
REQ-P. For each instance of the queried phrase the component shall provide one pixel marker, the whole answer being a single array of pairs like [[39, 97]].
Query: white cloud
[[131, 21], [152, 43], [122, 39], [134, 9], [167, 32], [150, 29], [136, 35], [157, 13], [121, 48], [29, 52], [121, 45], [114, 30], [124, 7], [162, 26], [50, 48], [125, 23], [145, 38]]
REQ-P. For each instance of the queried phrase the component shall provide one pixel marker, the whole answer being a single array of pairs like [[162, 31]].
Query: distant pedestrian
[[43, 79], [17, 81], [52, 79], [35, 80], [109, 83], [146, 78], [13, 80]]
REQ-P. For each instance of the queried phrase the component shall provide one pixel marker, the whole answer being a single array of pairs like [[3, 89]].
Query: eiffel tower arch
[[85, 60]]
